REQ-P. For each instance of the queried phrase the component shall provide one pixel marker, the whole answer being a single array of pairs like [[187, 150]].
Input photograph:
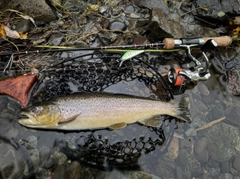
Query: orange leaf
[[2, 31]]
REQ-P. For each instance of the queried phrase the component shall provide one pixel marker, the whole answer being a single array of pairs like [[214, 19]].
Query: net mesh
[[97, 71]]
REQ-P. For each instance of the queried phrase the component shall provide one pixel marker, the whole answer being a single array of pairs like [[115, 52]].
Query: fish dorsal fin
[[70, 118], [118, 125], [154, 121]]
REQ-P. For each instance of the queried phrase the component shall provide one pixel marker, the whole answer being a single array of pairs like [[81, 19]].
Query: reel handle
[[170, 43]]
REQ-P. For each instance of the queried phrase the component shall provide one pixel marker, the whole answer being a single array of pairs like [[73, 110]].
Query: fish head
[[41, 116]]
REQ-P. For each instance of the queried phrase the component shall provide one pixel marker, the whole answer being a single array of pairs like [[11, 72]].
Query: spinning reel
[[179, 77]]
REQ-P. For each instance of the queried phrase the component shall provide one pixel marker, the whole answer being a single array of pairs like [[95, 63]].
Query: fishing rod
[[167, 44], [176, 76]]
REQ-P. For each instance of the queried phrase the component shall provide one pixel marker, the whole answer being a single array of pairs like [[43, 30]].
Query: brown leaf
[[2, 31]]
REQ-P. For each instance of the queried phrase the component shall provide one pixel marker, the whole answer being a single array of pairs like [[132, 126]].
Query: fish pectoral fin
[[70, 118], [154, 121], [118, 126]]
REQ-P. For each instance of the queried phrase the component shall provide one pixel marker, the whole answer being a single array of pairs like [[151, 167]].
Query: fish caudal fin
[[183, 107]]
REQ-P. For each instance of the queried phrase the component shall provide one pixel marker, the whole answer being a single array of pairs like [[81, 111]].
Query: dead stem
[[209, 124]]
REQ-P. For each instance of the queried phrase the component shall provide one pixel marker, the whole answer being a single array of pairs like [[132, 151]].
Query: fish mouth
[[30, 121]]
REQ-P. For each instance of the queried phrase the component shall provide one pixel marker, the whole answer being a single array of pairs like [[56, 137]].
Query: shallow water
[[174, 150], [135, 151]]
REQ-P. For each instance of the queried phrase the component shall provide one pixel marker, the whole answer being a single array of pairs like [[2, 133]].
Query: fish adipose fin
[[183, 107], [154, 121], [118, 126]]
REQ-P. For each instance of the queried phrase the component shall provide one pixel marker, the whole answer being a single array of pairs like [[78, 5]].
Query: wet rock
[[236, 163], [234, 82], [178, 172], [11, 164], [223, 141], [73, 170], [214, 7], [203, 156], [200, 145], [61, 158], [140, 174], [201, 106], [24, 26], [226, 176], [107, 38], [154, 4], [58, 173], [56, 39], [129, 9], [35, 157], [183, 157], [160, 26], [173, 149], [30, 143], [203, 89], [117, 25], [218, 112], [225, 168], [38, 10], [44, 153]]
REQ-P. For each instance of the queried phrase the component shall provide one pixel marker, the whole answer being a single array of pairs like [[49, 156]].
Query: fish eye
[[36, 110]]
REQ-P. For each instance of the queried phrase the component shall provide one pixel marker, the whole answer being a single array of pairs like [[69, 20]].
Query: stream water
[[206, 148]]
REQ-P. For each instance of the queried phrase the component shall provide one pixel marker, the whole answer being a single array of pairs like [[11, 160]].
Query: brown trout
[[83, 111]]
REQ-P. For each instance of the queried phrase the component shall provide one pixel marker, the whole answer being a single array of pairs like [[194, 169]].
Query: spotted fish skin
[[83, 111]]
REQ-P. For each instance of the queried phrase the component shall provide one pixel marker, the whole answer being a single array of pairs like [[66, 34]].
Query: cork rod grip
[[222, 41]]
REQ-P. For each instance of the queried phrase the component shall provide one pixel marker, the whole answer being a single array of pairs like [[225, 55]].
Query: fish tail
[[183, 106]]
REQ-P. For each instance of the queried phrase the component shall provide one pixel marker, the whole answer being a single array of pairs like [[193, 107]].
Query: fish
[[89, 111]]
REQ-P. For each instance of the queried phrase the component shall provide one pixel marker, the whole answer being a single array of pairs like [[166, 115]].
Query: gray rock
[[226, 176], [203, 156], [236, 163], [61, 158], [225, 168], [203, 89], [234, 82], [30, 143], [200, 145], [117, 25], [160, 26], [178, 172], [73, 170], [24, 26], [139, 174], [183, 157], [35, 157], [223, 141], [154, 4], [218, 112], [215, 6], [11, 164], [38, 10]]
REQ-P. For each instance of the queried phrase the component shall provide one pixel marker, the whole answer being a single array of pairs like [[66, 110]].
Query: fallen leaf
[[28, 18], [2, 31], [23, 36], [11, 33]]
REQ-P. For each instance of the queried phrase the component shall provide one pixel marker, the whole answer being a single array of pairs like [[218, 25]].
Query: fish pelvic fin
[[118, 126], [183, 108]]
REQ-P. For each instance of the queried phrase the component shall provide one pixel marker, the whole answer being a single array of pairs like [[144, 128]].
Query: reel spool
[[174, 78]]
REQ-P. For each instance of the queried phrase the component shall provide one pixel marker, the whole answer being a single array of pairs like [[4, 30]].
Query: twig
[[209, 124]]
